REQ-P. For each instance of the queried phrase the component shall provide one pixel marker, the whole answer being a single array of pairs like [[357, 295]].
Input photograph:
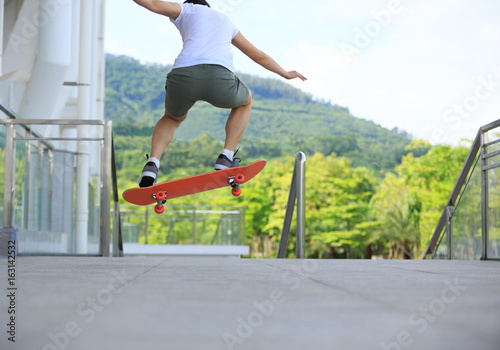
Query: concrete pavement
[[221, 303]]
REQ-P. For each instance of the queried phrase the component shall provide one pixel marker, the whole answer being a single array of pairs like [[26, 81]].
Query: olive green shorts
[[205, 82]]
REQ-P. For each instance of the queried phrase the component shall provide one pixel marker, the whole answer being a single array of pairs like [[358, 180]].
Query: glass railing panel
[[467, 224], [441, 252], [492, 138], [45, 198], [493, 246], [2, 169], [182, 225], [494, 214]]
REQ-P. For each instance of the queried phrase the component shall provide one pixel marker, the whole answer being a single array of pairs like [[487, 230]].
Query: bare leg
[[236, 124], [163, 133]]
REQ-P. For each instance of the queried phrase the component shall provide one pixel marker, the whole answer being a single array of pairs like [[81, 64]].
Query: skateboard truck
[[161, 198], [234, 182]]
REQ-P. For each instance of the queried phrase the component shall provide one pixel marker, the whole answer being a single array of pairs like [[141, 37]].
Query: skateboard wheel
[[240, 178], [159, 210], [160, 195], [236, 192]]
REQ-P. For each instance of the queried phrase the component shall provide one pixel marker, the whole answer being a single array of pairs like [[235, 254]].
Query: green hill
[[284, 119]]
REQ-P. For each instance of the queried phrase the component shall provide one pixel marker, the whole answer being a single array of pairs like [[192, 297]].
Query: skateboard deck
[[162, 192]]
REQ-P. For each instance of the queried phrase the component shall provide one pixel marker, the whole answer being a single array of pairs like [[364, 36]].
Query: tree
[[338, 200], [410, 202], [398, 210]]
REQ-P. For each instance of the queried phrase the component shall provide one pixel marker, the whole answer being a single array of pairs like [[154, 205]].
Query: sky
[[431, 68]]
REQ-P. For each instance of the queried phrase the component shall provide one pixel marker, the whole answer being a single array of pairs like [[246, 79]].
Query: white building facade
[[52, 66]]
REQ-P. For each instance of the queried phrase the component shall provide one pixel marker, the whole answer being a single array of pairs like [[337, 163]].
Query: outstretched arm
[[263, 59], [166, 8]]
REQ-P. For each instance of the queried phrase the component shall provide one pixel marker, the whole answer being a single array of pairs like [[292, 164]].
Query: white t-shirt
[[206, 35]]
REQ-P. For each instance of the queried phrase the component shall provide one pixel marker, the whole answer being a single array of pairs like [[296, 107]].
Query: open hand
[[294, 74]]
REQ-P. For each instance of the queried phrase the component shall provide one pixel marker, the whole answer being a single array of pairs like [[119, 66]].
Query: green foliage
[[283, 121], [134, 92], [432, 178], [398, 209], [369, 190], [339, 203], [410, 202]]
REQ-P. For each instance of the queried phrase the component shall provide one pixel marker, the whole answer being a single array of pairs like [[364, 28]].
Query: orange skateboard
[[159, 193]]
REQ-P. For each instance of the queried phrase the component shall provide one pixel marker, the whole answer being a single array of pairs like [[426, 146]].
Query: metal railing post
[[106, 195], [301, 207], [8, 191], [117, 220], [484, 196], [297, 193], [450, 232], [285, 232]]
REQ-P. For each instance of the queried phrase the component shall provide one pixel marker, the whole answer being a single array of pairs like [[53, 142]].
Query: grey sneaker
[[149, 175], [224, 162]]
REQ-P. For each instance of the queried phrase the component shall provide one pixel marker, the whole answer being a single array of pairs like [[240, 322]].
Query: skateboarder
[[204, 71]]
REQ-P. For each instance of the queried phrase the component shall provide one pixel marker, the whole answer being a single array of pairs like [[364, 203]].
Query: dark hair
[[197, 2]]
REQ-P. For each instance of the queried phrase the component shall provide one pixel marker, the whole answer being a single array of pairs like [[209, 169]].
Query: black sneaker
[[149, 174], [224, 162]]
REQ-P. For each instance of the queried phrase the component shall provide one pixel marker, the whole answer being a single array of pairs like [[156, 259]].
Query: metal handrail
[[476, 152], [117, 227], [8, 112], [108, 166], [297, 194], [471, 157], [13, 117]]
